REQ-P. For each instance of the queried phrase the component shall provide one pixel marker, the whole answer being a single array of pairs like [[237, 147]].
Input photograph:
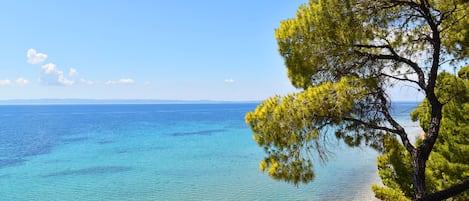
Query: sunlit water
[[158, 152]]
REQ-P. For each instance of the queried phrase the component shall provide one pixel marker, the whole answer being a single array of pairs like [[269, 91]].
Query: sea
[[161, 152]]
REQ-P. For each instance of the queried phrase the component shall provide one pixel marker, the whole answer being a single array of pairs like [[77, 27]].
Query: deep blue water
[[158, 152]]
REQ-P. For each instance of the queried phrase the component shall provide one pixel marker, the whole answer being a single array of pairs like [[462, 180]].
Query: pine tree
[[343, 55]]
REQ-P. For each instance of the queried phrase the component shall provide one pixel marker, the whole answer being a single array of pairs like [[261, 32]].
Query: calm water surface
[[158, 152]]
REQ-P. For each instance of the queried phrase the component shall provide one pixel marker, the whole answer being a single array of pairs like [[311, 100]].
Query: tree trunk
[[422, 153], [418, 177]]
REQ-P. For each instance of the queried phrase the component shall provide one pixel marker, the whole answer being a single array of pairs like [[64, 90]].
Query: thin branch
[[372, 126], [397, 58], [453, 23], [417, 7], [373, 46], [400, 79], [444, 15], [425, 38], [401, 132]]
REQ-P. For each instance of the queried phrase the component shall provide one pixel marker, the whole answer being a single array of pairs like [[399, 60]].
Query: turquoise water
[[158, 152]]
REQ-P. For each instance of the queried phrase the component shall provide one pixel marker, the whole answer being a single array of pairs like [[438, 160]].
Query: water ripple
[[90, 171], [204, 132], [10, 162]]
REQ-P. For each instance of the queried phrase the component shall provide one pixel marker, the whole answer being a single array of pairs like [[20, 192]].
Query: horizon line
[[72, 101]]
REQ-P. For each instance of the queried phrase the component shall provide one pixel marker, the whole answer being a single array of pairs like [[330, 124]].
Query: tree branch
[[373, 126], [395, 57], [401, 131], [444, 15], [372, 46], [427, 145], [453, 23], [447, 193], [400, 79], [414, 5]]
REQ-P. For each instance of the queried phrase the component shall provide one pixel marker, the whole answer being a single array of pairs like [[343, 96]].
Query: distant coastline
[[76, 101], [112, 101]]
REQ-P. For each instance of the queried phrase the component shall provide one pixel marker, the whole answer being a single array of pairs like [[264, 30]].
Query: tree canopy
[[343, 55]]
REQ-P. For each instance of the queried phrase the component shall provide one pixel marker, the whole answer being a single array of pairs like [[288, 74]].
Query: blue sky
[[186, 50]]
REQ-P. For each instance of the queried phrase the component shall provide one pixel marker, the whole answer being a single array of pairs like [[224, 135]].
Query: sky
[[144, 49]]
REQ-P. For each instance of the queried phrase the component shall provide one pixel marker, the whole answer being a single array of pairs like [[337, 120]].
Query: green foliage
[[395, 171], [456, 35], [314, 44], [330, 39], [449, 162], [343, 54], [464, 73], [283, 126]]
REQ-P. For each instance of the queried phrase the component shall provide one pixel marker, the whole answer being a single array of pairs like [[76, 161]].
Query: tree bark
[[420, 156], [418, 177], [447, 193]]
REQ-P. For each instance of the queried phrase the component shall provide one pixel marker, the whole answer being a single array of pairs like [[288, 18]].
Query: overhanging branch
[[447, 193], [401, 132], [372, 126], [395, 57], [398, 78]]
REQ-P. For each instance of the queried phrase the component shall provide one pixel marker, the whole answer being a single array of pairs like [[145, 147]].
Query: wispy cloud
[[22, 81], [63, 81], [121, 81], [229, 81], [87, 82], [35, 57], [5, 83], [73, 72]]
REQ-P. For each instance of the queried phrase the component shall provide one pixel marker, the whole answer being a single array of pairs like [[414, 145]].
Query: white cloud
[[22, 81], [35, 57], [87, 82], [73, 72], [229, 80], [62, 80], [121, 81], [49, 68], [5, 83], [52, 76], [126, 81]]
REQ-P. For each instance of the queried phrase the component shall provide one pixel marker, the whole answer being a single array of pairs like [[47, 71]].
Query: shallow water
[[157, 152]]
